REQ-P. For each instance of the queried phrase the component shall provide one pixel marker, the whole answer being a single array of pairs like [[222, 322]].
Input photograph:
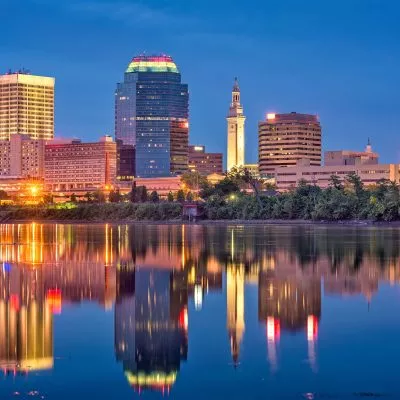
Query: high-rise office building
[[151, 113], [26, 106], [284, 139], [236, 120], [22, 157]]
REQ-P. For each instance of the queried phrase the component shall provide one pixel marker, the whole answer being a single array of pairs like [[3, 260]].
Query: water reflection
[[149, 275]]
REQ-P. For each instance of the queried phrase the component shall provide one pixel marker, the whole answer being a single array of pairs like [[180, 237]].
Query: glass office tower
[[151, 113]]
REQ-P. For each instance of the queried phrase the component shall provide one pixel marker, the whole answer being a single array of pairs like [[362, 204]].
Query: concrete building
[[26, 106], [348, 157], [161, 185], [76, 166], [236, 132], [152, 114], [204, 163], [22, 157], [283, 139], [287, 178]]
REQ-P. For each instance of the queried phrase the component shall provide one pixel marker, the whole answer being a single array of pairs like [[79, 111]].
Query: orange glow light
[[270, 116], [54, 299]]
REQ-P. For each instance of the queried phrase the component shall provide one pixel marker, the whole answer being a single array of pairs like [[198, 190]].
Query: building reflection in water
[[26, 321], [152, 274], [288, 304], [150, 331]]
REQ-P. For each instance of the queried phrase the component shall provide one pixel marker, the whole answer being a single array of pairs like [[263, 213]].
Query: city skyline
[[344, 87]]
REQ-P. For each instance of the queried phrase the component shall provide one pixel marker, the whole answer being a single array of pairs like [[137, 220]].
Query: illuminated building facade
[[236, 121], [76, 166], [26, 106], [22, 157], [284, 139], [204, 163], [152, 114]]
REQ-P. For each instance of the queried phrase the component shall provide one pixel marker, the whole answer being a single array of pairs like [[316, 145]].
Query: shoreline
[[277, 222]]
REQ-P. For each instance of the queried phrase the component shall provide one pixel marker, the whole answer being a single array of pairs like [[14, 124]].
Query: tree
[[48, 199], [133, 195], [73, 198], [3, 195], [138, 194], [244, 176], [355, 182], [154, 197], [115, 196], [189, 197], [335, 182], [193, 180], [99, 197], [143, 195], [88, 196], [227, 186], [180, 196], [170, 197]]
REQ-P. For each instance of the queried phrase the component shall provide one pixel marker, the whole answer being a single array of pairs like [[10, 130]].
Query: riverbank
[[208, 222], [148, 213]]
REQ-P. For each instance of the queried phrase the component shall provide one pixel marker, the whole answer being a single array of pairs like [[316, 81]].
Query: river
[[198, 312]]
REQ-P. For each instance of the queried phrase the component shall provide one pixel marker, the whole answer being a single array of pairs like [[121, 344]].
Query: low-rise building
[[204, 163], [348, 157], [75, 166], [288, 177], [161, 185]]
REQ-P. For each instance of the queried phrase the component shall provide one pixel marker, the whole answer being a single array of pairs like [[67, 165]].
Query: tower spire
[[236, 87], [235, 120]]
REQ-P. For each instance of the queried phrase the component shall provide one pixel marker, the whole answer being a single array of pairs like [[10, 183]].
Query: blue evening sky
[[337, 58]]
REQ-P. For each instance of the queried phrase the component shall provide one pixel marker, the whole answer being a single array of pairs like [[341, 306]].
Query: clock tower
[[236, 120]]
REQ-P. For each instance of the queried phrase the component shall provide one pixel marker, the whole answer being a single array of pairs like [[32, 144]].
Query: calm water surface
[[199, 312]]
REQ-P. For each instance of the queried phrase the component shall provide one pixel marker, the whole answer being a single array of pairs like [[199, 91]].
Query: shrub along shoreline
[[227, 200], [92, 212]]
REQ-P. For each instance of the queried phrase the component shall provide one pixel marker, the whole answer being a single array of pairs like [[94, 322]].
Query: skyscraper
[[236, 120], [151, 113], [26, 106], [284, 139]]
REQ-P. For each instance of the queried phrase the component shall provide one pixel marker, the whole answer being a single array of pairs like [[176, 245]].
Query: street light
[[34, 190]]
